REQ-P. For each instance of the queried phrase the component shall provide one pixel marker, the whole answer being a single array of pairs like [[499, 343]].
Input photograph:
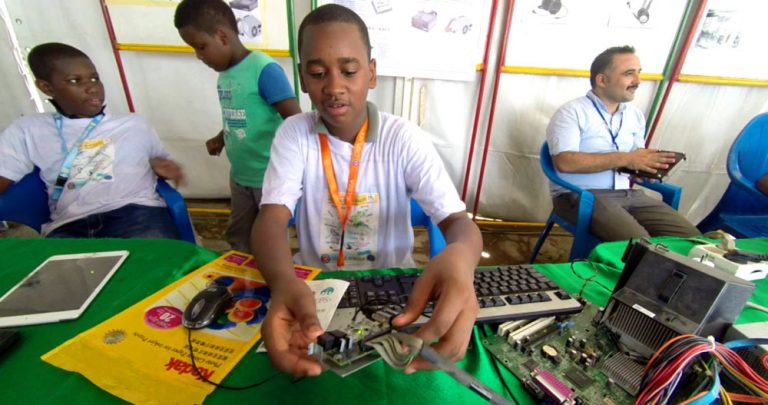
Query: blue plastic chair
[[583, 240], [26, 202], [178, 208], [436, 238], [743, 209]]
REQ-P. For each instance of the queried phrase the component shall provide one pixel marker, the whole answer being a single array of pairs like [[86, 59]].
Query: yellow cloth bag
[[142, 354]]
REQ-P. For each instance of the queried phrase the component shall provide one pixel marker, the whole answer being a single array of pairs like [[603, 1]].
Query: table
[[152, 264]]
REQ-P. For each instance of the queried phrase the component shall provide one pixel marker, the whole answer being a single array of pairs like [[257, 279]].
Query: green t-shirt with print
[[249, 120]]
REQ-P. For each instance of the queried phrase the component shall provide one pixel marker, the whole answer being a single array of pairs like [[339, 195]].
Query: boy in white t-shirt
[[383, 161], [100, 169]]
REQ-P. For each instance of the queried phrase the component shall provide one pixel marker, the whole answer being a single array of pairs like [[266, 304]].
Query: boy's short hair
[[204, 15], [334, 13], [42, 57], [603, 61]]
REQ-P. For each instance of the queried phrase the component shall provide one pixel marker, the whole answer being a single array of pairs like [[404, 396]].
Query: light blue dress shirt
[[585, 125]]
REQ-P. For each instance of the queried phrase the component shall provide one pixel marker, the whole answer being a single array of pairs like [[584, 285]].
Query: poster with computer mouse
[[234, 315], [150, 342]]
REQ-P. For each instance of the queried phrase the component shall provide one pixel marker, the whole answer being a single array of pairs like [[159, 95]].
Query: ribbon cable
[[354, 170]]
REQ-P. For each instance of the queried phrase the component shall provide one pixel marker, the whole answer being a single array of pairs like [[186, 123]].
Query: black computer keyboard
[[503, 293]]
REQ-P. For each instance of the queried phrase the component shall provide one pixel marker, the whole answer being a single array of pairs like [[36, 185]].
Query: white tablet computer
[[59, 289]]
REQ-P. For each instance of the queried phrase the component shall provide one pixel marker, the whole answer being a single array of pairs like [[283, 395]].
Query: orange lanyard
[[333, 189]]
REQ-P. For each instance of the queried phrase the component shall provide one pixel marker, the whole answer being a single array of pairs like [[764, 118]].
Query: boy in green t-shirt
[[255, 96]]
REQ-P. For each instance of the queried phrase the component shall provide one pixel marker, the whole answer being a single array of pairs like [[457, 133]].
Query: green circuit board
[[576, 352]]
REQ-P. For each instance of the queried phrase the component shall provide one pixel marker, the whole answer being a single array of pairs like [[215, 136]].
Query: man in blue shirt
[[594, 135]]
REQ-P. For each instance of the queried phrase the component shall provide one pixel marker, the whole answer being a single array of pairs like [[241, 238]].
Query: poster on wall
[[261, 24], [435, 39], [568, 34], [727, 39]]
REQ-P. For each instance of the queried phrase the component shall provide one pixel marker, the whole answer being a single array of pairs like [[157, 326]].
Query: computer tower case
[[662, 294]]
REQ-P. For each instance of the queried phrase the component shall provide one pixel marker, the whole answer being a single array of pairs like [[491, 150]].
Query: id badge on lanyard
[[333, 189], [69, 153], [620, 180]]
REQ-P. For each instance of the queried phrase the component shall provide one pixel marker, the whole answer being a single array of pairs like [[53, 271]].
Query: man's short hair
[[334, 13], [204, 15], [603, 61], [42, 57]]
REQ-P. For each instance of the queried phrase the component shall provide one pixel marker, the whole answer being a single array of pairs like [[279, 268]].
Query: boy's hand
[[168, 169], [455, 308], [216, 144], [290, 326]]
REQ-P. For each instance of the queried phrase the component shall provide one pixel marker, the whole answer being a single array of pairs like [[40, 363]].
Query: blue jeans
[[130, 221]]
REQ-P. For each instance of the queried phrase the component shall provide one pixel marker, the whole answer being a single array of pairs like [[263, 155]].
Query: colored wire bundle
[[226, 387], [669, 364], [590, 279], [370, 306]]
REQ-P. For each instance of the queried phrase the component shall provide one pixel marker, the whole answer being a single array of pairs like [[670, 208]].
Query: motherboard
[[570, 360]]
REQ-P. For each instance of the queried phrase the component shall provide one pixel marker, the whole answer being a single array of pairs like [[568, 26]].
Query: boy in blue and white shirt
[[100, 169]]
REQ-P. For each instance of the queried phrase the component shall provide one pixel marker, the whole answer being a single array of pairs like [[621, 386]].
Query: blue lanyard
[[607, 126], [70, 154]]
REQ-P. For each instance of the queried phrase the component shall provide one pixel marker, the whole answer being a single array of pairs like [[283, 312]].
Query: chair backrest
[[747, 162], [585, 197], [548, 167], [436, 238], [178, 209], [748, 154], [26, 202]]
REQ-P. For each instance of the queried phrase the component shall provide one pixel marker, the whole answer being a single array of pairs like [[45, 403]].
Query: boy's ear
[[372, 68], [45, 87], [221, 35]]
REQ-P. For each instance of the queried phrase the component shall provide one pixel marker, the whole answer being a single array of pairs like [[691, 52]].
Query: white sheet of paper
[[328, 294]]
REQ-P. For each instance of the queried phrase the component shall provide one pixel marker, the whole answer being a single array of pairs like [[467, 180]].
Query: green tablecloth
[[24, 378]]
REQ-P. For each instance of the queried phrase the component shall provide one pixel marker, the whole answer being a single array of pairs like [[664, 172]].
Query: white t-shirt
[[112, 169], [399, 162]]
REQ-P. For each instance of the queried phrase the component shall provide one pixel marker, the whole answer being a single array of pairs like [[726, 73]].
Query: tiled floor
[[503, 244]]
